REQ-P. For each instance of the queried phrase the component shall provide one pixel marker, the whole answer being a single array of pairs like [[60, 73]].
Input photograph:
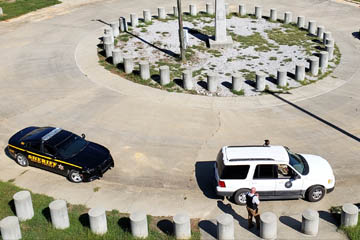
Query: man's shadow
[[243, 222]]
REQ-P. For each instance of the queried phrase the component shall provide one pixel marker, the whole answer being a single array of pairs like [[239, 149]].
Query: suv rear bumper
[[224, 194]]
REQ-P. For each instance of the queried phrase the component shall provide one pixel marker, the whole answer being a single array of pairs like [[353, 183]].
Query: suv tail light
[[222, 183]]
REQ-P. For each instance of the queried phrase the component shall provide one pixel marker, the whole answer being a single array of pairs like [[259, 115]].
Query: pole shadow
[[84, 220], [166, 51], [124, 224], [330, 217], [101, 21], [166, 226], [204, 173], [208, 227], [291, 222], [329, 124]]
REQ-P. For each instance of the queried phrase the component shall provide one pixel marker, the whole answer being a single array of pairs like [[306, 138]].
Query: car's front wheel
[[240, 196], [75, 176], [315, 193], [22, 160]]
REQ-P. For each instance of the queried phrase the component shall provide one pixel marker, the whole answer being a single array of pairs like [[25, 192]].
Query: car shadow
[[205, 177]]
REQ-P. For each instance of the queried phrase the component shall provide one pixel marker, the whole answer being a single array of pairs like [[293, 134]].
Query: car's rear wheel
[[75, 176], [240, 196], [22, 160], [315, 193]]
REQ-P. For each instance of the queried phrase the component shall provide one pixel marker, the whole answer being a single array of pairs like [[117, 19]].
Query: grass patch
[[353, 233], [39, 227], [21, 7], [240, 93], [255, 40]]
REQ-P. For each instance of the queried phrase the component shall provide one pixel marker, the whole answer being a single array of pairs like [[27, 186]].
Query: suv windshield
[[297, 162], [71, 146]]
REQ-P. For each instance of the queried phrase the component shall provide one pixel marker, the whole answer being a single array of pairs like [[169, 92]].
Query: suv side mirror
[[296, 176], [83, 136]]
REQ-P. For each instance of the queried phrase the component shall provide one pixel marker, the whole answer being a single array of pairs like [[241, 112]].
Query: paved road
[[164, 143]]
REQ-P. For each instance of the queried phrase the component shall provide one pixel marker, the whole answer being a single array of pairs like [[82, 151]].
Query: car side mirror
[[296, 176], [83, 136]]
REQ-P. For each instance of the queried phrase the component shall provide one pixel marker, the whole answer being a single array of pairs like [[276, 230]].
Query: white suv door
[[263, 180], [288, 182]]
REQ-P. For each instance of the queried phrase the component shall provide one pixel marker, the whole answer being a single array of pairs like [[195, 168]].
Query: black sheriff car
[[60, 151]]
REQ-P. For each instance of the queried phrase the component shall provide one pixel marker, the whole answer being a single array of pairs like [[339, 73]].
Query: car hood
[[92, 156], [318, 166]]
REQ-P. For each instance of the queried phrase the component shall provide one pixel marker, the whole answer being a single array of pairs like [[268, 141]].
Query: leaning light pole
[[181, 31]]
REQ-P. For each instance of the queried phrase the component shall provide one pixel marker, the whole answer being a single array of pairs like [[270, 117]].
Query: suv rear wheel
[[240, 196], [315, 193]]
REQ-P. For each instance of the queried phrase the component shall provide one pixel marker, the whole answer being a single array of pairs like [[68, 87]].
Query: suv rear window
[[235, 172]]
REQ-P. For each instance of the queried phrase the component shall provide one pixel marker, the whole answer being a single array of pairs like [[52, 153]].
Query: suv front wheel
[[240, 196], [315, 193]]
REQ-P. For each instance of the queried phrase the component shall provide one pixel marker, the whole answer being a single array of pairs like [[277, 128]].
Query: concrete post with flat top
[[10, 228], [23, 205], [187, 79], [310, 222], [225, 227], [301, 22], [209, 8], [147, 16], [138, 224], [273, 15], [97, 219], [182, 225], [221, 38], [349, 215], [144, 70], [268, 225], [59, 214]]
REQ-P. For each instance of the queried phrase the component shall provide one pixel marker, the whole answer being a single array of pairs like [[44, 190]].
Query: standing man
[[252, 203]]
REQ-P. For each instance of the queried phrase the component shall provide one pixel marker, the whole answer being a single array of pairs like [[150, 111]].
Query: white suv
[[275, 172]]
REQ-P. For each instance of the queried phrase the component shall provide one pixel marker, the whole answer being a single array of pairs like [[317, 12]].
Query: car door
[[35, 155], [288, 183], [263, 180]]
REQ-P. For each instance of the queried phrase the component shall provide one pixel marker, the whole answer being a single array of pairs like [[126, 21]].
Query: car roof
[[234, 154], [36, 134]]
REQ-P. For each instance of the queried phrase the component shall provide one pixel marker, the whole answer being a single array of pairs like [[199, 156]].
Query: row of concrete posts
[[10, 226]]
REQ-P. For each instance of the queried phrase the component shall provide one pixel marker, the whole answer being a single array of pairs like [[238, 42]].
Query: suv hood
[[318, 166]]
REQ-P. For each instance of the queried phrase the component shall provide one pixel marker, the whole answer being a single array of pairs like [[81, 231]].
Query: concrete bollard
[[147, 15], [300, 72], [324, 60], [320, 32], [10, 228], [1, 11], [209, 9], [108, 49], [260, 81], [23, 205], [225, 227], [281, 77], [175, 12], [123, 24], [312, 27], [242, 10], [187, 79], [326, 35], [301, 22], [144, 70], [314, 65], [161, 13], [227, 9], [59, 214], [164, 75], [268, 225], [128, 64], [115, 28], [310, 222], [236, 82], [349, 215], [192, 10], [138, 224], [109, 31], [212, 82], [97, 219], [258, 12], [330, 41], [330, 50], [107, 39], [287, 17], [134, 20], [273, 14], [117, 57], [182, 228]]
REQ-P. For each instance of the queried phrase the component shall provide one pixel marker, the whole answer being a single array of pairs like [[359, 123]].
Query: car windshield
[[297, 162], [71, 146]]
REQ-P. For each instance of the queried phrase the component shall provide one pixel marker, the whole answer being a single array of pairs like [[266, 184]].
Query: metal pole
[[181, 32]]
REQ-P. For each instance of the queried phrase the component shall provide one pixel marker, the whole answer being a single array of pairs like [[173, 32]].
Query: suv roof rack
[[251, 159], [246, 146], [51, 134]]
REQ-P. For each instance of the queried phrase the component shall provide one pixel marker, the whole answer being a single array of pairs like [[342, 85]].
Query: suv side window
[[235, 172], [265, 171], [49, 150], [284, 171]]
